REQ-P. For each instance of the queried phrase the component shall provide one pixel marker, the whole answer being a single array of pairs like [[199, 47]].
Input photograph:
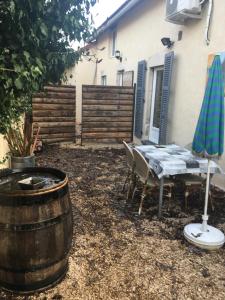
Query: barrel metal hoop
[[34, 226], [38, 267], [38, 286], [33, 199]]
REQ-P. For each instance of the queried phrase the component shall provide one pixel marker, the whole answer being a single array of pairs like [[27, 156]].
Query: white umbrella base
[[212, 239]]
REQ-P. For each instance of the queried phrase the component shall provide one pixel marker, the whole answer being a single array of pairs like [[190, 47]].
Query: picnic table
[[167, 160]]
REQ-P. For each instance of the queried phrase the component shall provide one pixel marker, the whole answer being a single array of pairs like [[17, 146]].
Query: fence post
[[78, 114]]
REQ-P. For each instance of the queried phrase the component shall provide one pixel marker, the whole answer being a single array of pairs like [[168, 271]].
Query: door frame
[[153, 131]]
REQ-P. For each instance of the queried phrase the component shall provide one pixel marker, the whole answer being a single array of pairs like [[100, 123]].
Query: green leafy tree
[[35, 48]]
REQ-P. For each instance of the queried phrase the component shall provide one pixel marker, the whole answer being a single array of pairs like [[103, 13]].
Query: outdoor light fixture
[[118, 55], [167, 42]]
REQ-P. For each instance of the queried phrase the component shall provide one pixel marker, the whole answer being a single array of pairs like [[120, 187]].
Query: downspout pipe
[[209, 15]]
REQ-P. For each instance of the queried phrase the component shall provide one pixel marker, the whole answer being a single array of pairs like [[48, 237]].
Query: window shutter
[[140, 95], [167, 74]]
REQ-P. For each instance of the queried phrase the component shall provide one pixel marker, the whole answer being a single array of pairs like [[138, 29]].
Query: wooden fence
[[107, 113], [54, 111]]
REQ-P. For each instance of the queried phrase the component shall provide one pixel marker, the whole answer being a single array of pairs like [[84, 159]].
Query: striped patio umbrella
[[209, 142], [209, 134]]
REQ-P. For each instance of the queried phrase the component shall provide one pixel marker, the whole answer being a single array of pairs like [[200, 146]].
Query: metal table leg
[[161, 197]]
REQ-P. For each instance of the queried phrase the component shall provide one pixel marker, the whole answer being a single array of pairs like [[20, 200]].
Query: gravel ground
[[118, 255]]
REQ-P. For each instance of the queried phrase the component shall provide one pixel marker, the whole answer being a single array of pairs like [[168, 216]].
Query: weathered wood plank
[[107, 96], [118, 113], [53, 119], [107, 107], [87, 141], [55, 95], [57, 140], [106, 134], [54, 113], [53, 101], [106, 124], [108, 89], [50, 130], [58, 135], [44, 106], [105, 86], [87, 87], [108, 102], [106, 119], [56, 124], [112, 129]]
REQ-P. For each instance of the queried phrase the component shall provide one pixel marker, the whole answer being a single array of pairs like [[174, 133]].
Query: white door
[[156, 104]]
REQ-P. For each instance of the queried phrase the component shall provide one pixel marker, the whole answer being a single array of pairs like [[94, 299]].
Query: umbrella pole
[[205, 216]]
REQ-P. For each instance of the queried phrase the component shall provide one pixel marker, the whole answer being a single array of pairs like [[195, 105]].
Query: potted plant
[[21, 142]]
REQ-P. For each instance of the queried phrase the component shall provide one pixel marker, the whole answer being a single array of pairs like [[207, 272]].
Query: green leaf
[[39, 63], [27, 55], [37, 71], [44, 29], [35, 86], [17, 68], [18, 84], [21, 14], [12, 6], [26, 74], [54, 28]]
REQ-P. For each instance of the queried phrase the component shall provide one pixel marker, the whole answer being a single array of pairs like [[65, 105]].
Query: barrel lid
[[52, 177]]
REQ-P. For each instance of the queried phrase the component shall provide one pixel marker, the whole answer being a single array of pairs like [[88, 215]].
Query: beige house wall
[[3, 151], [139, 36]]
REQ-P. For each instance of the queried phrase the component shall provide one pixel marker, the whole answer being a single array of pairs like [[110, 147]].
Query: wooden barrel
[[35, 234]]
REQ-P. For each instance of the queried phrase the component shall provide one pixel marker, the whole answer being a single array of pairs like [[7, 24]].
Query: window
[[113, 43], [119, 79], [103, 80], [128, 77]]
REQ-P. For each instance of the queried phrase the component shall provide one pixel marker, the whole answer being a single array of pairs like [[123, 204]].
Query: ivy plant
[[35, 48]]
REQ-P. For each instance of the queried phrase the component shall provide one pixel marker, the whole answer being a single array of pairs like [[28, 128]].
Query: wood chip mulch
[[118, 255]]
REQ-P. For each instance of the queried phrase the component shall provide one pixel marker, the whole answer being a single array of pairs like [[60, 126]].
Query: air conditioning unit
[[178, 11]]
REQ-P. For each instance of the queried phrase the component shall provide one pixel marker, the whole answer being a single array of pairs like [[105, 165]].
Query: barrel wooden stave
[[22, 250], [35, 238], [36, 213], [35, 280]]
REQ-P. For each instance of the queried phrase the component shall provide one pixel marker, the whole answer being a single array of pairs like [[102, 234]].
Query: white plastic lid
[[212, 239]]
